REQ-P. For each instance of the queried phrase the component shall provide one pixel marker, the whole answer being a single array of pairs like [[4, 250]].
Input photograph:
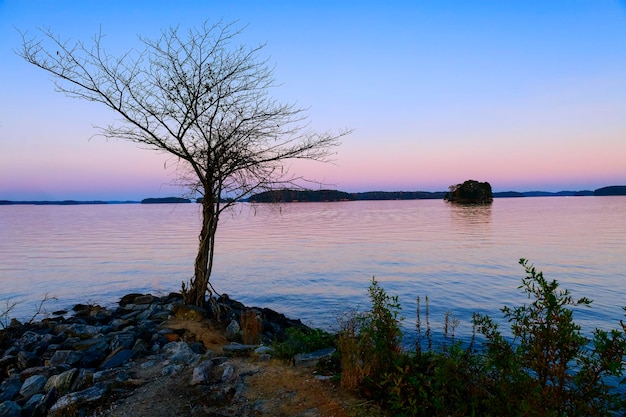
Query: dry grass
[[199, 331]]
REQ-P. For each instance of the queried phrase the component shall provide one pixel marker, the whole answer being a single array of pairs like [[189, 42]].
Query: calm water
[[315, 261]]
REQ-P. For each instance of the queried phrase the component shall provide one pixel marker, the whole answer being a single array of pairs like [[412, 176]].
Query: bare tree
[[199, 97]]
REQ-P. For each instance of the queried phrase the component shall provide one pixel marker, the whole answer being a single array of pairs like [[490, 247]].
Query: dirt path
[[256, 389]]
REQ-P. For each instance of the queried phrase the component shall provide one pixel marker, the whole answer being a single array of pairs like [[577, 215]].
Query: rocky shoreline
[[70, 363]]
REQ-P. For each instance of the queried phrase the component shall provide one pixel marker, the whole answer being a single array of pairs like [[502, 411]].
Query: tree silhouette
[[200, 98]]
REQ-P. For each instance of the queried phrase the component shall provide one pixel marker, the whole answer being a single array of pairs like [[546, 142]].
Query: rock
[[91, 358], [117, 358], [78, 398], [124, 340], [33, 385], [311, 359], [41, 409], [83, 380], [143, 299], [118, 324], [264, 357], [233, 330], [62, 382], [26, 360], [101, 343], [229, 372], [46, 371], [10, 409], [180, 353], [32, 404], [129, 299], [28, 340], [73, 347], [69, 357], [238, 348], [7, 362], [171, 370], [104, 375], [10, 388], [263, 350], [202, 373], [83, 331]]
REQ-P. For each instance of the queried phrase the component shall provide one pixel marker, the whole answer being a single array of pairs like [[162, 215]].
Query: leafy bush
[[549, 368], [302, 340]]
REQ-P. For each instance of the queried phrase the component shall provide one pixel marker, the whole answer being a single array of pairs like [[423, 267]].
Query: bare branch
[[199, 97]]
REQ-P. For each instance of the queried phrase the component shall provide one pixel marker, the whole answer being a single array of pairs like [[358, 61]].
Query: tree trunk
[[199, 285]]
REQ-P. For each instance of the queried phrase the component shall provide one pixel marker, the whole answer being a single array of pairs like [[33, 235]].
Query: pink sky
[[527, 96]]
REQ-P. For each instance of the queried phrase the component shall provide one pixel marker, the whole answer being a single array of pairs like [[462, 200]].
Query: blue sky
[[528, 95]]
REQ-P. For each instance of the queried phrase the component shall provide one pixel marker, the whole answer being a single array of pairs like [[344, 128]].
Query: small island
[[470, 192]]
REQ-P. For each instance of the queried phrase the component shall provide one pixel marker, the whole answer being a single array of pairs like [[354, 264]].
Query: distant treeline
[[288, 196], [611, 190], [50, 203], [165, 200]]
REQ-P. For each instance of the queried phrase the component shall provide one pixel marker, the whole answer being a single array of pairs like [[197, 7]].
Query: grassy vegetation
[[549, 368]]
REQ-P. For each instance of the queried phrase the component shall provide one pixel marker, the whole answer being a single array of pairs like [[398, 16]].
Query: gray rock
[[311, 359], [78, 398], [7, 361], [100, 343], [238, 348], [69, 357], [10, 409], [117, 359], [82, 331], [129, 299], [32, 404], [180, 353], [92, 358], [26, 360], [233, 329], [171, 370], [202, 373], [33, 385], [124, 340], [10, 388], [28, 340], [46, 371], [229, 372], [83, 380], [144, 299], [62, 382], [119, 324], [104, 375], [263, 349]]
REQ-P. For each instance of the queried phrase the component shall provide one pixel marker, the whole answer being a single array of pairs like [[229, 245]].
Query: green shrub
[[302, 340], [549, 368], [561, 371]]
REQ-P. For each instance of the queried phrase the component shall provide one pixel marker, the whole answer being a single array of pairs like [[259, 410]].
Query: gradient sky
[[528, 95]]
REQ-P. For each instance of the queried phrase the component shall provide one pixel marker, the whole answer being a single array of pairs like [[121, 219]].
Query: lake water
[[315, 261]]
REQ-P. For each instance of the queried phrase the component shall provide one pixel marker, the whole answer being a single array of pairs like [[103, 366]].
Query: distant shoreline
[[335, 195]]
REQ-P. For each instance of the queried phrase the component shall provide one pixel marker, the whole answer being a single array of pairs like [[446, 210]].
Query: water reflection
[[470, 222], [313, 261]]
